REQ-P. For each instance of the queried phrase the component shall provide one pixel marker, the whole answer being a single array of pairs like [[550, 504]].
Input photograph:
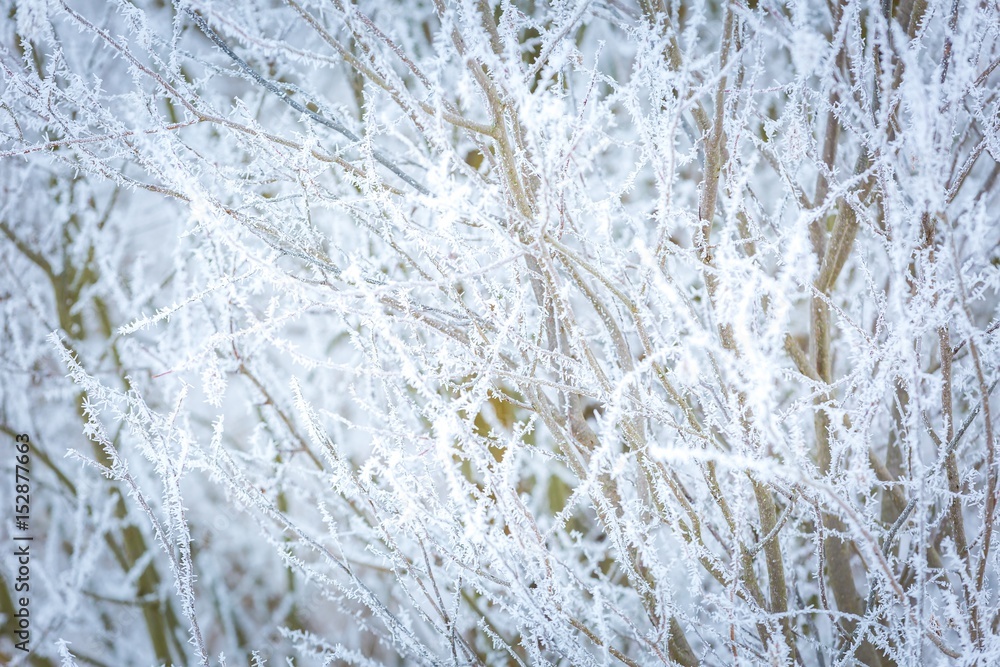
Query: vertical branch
[[837, 549], [712, 167], [956, 522], [989, 512], [711, 172]]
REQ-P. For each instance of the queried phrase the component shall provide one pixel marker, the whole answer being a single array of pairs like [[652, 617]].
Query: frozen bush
[[504, 333]]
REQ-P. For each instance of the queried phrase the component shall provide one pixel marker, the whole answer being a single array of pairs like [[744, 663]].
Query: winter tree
[[479, 332]]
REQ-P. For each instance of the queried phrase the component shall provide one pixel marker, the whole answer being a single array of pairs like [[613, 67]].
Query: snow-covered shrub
[[465, 332]]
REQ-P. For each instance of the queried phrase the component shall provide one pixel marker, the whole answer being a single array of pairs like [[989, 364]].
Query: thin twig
[[331, 123]]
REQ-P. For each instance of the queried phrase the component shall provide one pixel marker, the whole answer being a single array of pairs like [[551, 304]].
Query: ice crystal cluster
[[503, 332]]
